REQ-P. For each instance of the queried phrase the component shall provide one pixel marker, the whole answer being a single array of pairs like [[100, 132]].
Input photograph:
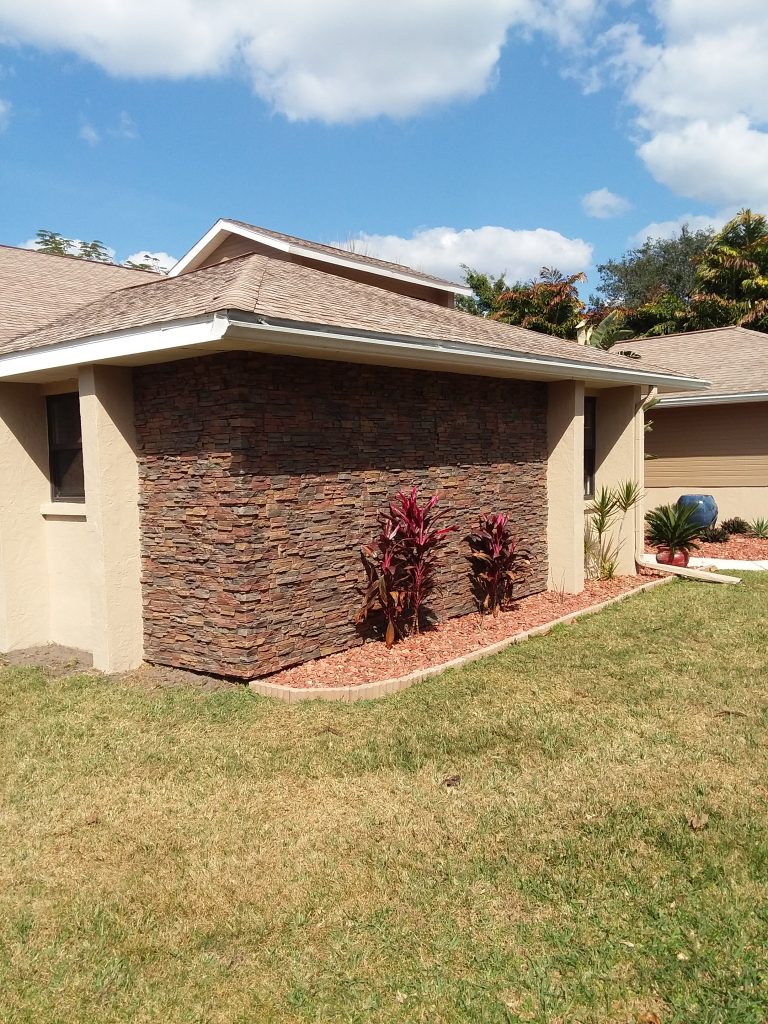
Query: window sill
[[64, 510]]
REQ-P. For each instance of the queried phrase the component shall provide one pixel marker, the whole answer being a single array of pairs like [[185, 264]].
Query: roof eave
[[713, 398], [215, 331]]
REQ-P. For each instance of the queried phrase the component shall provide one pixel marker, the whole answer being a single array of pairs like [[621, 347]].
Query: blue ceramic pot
[[705, 511]]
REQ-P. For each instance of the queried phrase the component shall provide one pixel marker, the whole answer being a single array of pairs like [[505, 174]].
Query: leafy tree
[[53, 243], [659, 265], [605, 331], [57, 245], [732, 274], [95, 251], [664, 314], [549, 304], [487, 291], [148, 263]]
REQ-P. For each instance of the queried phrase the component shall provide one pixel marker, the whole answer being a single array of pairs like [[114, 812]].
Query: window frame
[[590, 445], [57, 449]]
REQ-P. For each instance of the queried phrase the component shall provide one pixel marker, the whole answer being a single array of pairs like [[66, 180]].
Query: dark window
[[65, 448], [590, 445]]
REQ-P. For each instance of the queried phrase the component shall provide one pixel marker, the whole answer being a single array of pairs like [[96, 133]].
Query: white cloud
[[88, 133], [604, 204], [700, 96], [339, 60], [164, 260], [519, 255], [722, 163], [671, 228]]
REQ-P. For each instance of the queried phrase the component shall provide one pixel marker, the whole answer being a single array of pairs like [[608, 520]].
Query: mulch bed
[[737, 547], [747, 548], [372, 662]]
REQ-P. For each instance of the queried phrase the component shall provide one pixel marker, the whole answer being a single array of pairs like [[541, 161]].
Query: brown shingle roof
[[36, 287], [281, 291], [734, 359], [345, 254]]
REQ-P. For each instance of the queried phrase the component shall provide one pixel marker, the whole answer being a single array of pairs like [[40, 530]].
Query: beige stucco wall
[[619, 457], [69, 556], [70, 572], [748, 502], [112, 495], [24, 597], [565, 486]]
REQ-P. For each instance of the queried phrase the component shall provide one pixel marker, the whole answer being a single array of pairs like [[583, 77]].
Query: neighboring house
[[189, 465], [713, 441]]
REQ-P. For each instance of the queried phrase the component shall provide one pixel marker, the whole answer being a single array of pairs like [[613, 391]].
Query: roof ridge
[[688, 334], [79, 259], [353, 257]]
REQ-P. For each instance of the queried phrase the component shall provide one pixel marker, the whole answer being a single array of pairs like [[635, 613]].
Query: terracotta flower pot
[[665, 557]]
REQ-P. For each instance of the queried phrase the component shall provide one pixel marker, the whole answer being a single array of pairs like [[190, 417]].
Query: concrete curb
[[385, 687], [736, 564]]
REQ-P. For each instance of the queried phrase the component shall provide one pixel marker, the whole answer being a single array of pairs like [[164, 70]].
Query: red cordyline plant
[[401, 564], [496, 559]]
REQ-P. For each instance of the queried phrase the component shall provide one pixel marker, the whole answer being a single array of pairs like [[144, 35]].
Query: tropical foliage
[[549, 304], [670, 526], [660, 266], [96, 251], [401, 565], [496, 561], [732, 274], [603, 538]]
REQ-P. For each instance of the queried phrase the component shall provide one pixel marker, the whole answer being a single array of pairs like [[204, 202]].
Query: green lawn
[[172, 855]]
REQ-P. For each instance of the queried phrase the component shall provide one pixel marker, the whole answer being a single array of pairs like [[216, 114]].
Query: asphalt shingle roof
[[733, 359], [36, 287], [345, 254], [282, 291]]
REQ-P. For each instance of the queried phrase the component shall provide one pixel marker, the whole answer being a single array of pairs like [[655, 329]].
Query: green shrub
[[736, 526], [759, 529], [715, 535]]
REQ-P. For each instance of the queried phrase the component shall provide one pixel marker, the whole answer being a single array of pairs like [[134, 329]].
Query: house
[[713, 441], [189, 464]]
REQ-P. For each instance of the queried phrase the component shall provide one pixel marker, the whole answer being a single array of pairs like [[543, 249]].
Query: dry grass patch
[[186, 856]]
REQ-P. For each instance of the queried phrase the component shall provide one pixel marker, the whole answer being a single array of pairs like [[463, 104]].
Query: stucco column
[[619, 457], [112, 493], [24, 488], [565, 486]]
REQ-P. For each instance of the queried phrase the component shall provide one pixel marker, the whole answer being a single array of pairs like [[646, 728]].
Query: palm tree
[[732, 274]]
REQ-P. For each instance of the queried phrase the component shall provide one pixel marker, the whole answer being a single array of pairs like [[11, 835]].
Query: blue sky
[[490, 119]]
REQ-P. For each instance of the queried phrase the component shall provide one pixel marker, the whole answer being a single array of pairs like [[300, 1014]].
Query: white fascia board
[[201, 249], [116, 345], [221, 228], [734, 398], [453, 355], [313, 343]]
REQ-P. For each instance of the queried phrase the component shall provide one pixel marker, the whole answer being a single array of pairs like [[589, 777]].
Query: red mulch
[[372, 662], [736, 547], [748, 548]]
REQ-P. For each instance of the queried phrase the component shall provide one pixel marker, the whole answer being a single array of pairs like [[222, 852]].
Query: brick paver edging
[[370, 691]]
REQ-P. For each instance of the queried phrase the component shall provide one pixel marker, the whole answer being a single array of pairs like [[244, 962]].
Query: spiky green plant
[[759, 528], [607, 510], [670, 526]]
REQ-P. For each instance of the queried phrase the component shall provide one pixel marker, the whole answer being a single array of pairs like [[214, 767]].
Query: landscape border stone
[[385, 687]]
